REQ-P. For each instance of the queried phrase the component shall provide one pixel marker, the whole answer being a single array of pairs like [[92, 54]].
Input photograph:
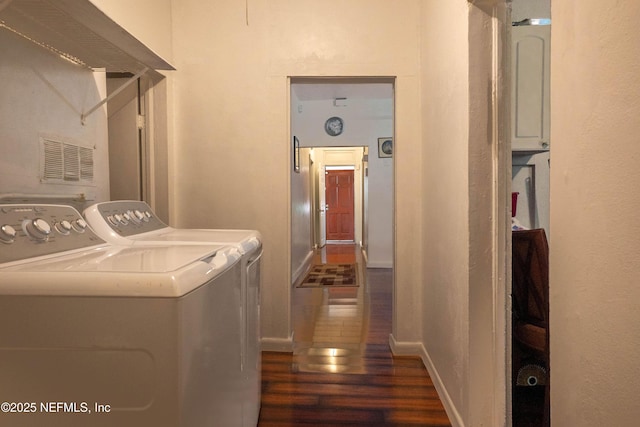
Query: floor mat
[[331, 275]]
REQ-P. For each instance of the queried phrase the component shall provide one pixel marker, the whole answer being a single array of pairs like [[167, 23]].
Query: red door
[[339, 198]]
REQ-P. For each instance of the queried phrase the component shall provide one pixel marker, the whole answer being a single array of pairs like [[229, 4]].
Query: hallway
[[341, 371]]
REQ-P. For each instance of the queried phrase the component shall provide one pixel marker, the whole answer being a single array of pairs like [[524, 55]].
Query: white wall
[[595, 105], [41, 94]]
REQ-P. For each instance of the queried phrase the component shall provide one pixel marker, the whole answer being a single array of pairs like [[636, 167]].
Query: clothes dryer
[[102, 335], [133, 223]]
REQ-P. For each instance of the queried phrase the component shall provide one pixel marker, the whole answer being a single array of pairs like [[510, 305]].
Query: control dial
[[37, 228], [121, 219], [133, 217], [140, 215], [79, 225], [7, 234], [63, 227]]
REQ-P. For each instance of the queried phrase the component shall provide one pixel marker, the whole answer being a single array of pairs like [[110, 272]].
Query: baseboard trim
[[401, 348], [404, 348], [280, 345], [302, 270], [379, 264], [365, 256]]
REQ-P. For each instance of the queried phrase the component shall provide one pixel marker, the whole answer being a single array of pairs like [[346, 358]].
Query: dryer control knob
[[79, 225], [63, 227], [121, 219], [38, 228], [133, 217], [139, 215], [7, 234]]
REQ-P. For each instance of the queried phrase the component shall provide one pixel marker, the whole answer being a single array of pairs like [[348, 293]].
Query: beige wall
[[445, 116], [301, 195], [232, 142], [594, 247], [458, 296]]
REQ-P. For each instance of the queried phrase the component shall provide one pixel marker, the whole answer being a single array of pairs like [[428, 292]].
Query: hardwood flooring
[[342, 372]]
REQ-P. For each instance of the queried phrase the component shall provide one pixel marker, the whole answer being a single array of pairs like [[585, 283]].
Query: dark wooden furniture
[[530, 301]]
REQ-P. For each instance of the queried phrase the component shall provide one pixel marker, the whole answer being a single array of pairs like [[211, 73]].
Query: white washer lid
[[168, 271], [245, 240]]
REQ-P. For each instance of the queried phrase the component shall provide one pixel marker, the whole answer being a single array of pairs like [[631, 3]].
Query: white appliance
[[133, 223], [103, 335]]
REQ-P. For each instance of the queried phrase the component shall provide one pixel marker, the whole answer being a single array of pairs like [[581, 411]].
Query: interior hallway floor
[[342, 372]]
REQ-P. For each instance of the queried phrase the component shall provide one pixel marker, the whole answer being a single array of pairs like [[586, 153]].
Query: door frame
[[357, 199], [490, 58], [318, 221], [318, 203]]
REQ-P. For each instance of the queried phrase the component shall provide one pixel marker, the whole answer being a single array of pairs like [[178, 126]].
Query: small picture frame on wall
[[296, 154], [385, 147]]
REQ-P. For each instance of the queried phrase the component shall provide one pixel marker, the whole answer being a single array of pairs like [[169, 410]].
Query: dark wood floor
[[342, 372]]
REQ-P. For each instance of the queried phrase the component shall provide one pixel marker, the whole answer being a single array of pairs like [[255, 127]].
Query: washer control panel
[[29, 231], [125, 217]]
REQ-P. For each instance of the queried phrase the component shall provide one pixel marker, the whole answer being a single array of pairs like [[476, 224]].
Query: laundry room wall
[[43, 96], [232, 132]]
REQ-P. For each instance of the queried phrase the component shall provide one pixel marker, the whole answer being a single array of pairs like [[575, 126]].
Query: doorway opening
[[530, 379], [364, 110], [335, 124], [337, 180]]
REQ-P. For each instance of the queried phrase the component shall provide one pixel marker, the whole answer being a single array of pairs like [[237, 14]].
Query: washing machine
[[133, 223], [95, 334]]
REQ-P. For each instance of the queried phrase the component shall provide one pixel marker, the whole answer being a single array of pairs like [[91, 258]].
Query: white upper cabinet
[[530, 87]]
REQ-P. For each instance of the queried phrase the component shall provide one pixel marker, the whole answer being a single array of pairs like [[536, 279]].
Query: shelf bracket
[[83, 116]]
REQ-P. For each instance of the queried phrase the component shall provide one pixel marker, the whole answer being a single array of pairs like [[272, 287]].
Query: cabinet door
[[530, 87]]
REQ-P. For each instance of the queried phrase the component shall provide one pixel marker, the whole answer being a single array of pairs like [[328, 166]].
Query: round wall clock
[[333, 126]]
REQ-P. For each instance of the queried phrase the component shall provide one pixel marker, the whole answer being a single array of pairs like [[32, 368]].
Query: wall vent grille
[[66, 163]]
